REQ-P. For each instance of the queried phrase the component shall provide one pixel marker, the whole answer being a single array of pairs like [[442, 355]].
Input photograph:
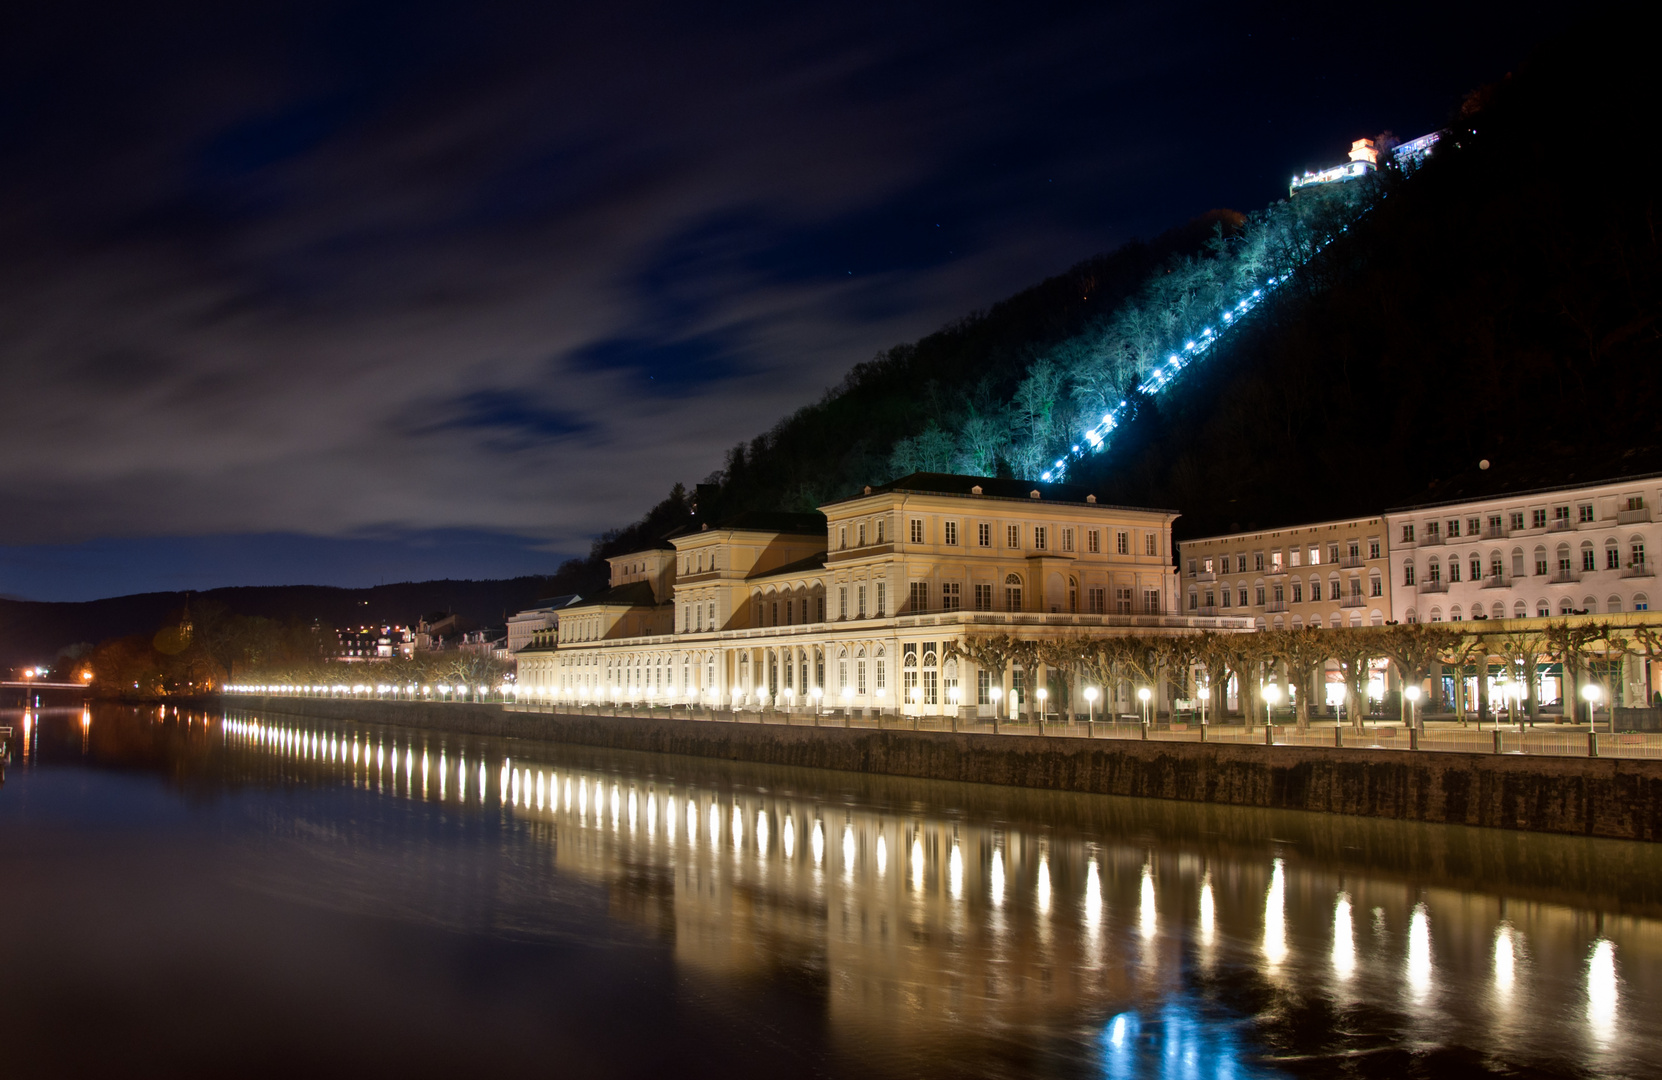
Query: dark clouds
[[353, 271]]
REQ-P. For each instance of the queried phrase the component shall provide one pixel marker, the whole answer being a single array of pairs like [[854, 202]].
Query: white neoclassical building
[[1548, 552], [855, 606]]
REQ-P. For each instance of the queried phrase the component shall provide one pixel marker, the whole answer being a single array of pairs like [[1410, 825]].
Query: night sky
[[343, 293]]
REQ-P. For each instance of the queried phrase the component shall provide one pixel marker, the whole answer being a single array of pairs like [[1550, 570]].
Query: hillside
[[32, 631], [1500, 303]]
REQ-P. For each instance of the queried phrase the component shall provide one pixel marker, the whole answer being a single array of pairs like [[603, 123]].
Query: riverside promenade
[[1605, 796]]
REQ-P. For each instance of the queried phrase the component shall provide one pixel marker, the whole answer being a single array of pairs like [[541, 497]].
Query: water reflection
[[1025, 919]]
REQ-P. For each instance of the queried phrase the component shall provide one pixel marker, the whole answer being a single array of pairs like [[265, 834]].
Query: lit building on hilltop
[[373, 643], [855, 605], [1364, 159]]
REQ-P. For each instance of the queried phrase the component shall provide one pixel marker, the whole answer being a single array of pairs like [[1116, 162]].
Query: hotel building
[[1330, 574], [855, 606]]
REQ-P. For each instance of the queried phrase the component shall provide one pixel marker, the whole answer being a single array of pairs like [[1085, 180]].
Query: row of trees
[[207, 646], [1300, 658]]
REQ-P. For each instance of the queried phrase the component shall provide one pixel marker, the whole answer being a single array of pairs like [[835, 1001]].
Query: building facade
[[1330, 574], [545, 616], [1537, 554], [856, 606]]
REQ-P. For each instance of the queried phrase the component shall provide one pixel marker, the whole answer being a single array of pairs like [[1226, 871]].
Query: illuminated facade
[[855, 606], [1330, 574], [1364, 159], [1550, 552]]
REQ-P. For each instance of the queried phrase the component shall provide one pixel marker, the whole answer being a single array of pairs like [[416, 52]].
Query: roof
[[1518, 483], [800, 566], [768, 521], [634, 594], [992, 487]]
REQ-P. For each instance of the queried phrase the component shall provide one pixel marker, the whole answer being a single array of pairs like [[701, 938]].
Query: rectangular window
[[1408, 533], [1012, 536], [1636, 555], [951, 599], [1588, 562], [1474, 526], [920, 596], [1431, 528], [1258, 595], [1612, 558], [1376, 587], [1356, 588], [842, 601], [1193, 566], [1093, 541], [882, 605], [1040, 538], [1434, 572], [1514, 520], [917, 530], [1012, 597], [1122, 542], [1584, 513], [1067, 539], [879, 530], [1242, 597], [984, 534], [1561, 515], [1332, 555], [1098, 601], [1541, 565], [1635, 502], [983, 598], [951, 533], [1564, 564], [983, 688], [1315, 590], [882, 675], [929, 687], [860, 677], [1151, 601], [1477, 569], [1194, 601], [1275, 562], [1294, 557], [1453, 571], [1538, 519], [1408, 573], [1280, 593], [862, 539], [1373, 549], [842, 537], [1151, 542], [1258, 561], [1453, 528], [1298, 592], [1497, 569], [1211, 597], [712, 615], [1228, 594], [860, 601]]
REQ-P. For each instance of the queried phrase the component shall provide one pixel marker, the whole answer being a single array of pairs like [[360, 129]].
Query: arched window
[[1565, 607], [1543, 609], [1520, 610], [1073, 595], [1588, 558], [1641, 602], [1454, 613], [1412, 616], [1376, 618], [1613, 605], [1315, 622], [1012, 592], [1436, 614], [1497, 610], [1590, 604]]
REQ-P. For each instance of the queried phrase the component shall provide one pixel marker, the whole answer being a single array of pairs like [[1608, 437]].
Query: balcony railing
[[1564, 577], [1275, 606], [1430, 539], [1433, 586], [1561, 525], [1352, 562], [1639, 569], [1634, 516], [1494, 532], [1354, 601], [1497, 581]]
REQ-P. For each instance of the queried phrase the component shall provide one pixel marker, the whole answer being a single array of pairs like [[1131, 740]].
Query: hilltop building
[[856, 604], [1364, 159]]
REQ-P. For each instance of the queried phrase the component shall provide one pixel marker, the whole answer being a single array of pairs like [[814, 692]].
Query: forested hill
[[1500, 303]]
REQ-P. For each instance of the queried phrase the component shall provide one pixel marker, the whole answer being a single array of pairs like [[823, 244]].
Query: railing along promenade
[[1438, 736]]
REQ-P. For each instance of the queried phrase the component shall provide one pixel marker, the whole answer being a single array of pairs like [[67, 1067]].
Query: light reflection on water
[[1123, 951]]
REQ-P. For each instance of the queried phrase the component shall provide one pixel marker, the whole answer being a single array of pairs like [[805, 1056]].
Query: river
[[191, 893]]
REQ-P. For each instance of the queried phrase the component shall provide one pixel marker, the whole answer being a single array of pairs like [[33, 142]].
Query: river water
[[230, 893]]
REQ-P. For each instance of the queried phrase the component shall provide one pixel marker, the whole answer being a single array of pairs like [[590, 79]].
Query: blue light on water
[[1178, 1043]]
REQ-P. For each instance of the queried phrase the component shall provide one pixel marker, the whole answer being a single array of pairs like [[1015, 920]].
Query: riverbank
[[1620, 799]]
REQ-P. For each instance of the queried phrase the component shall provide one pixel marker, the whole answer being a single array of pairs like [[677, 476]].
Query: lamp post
[[1042, 695], [1591, 693], [1143, 695], [1090, 708], [996, 694], [816, 693], [1272, 696]]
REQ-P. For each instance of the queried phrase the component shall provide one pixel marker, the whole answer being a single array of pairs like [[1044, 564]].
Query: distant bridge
[[38, 685]]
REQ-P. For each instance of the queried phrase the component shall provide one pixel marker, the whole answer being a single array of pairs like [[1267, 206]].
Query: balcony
[[1275, 606], [1276, 570], [1634, 516], [1494, 532], [1205, 575], [1353, 601], [1564, 577], [1354, 562], [1497, 581], [1207, 612], [1431, 540], [1561, 525], [1640, 569], [1433, 586]]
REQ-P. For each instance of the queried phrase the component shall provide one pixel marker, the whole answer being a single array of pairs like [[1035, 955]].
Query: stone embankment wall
[[1590, 797]]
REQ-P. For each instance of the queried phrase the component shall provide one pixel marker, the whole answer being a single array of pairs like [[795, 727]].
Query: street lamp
[[1143, 695], [1043, 696], [1090, 706], [1591, 693], [1412, 695], [1272, 696], [816, 693]]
